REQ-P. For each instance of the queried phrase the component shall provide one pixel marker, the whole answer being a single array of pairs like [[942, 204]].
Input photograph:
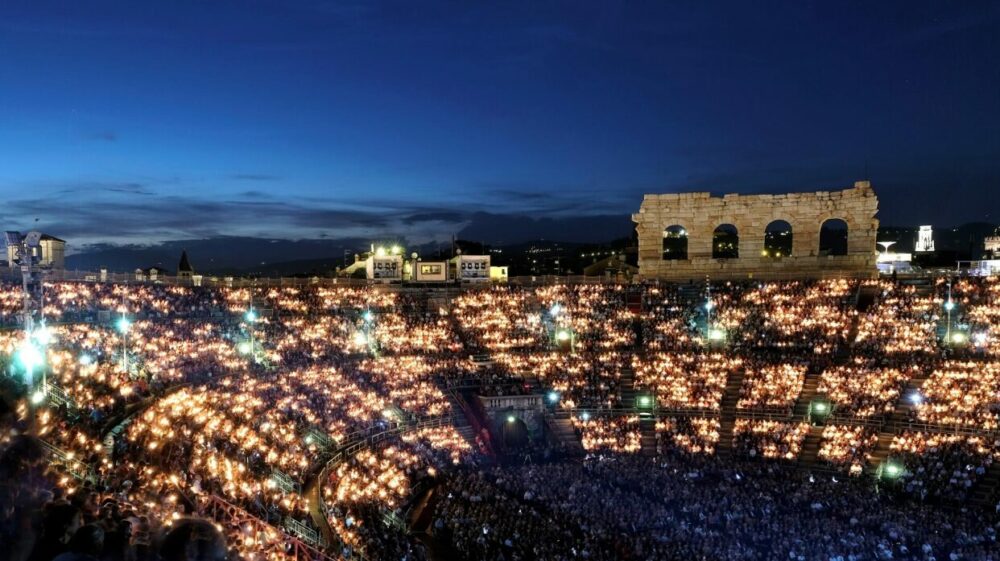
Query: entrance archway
[[514, 432]]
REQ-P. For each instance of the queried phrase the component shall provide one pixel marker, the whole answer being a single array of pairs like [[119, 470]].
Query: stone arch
[[514, 432], [725, 242], [833, 236], [778, 239], [675, 243]]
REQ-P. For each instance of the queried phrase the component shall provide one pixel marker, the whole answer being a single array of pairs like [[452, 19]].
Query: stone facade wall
[[700, 213]]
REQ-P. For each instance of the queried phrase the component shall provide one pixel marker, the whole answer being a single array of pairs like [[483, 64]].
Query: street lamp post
[[708, 310], [251, 318], [949, 305], [123, 327]]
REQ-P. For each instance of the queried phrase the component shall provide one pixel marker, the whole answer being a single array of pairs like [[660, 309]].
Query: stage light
[[511, 418], [949, 305], [959, 338], [123, 325], [86, 360], [29, 356], [916, 398], [716, 334], [360, 338], [37, 397], [244, 348], [555, 310], [563, 335], [43, 335]]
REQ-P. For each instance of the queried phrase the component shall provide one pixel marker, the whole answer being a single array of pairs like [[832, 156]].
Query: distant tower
[[925, 240], [184, 269]]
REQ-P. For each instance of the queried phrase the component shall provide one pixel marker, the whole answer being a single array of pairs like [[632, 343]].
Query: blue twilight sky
[[146, 121]]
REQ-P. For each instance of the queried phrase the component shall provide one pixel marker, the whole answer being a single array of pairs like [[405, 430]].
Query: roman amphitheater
[[694, 235]]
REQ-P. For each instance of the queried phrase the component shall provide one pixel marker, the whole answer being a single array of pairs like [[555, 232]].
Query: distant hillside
[[503, 230], [214, 255]]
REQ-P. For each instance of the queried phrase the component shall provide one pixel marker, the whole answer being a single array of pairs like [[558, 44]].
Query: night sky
[[150, 121]]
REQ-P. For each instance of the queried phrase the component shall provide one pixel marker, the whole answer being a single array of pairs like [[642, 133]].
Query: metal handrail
[[222, 511], [367, 439]]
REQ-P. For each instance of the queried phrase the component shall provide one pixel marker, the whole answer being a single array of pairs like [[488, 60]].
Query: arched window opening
[[777, 239], [675, 243], [833, 237], [725, 242]]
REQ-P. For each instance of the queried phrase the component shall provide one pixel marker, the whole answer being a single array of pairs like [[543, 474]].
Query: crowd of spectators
[[848, 446], [768, 439], [962, 393], [615, 434], [942, 465], [686, 380], [157, 399], [773, 387], [863, 389], [693, 507]]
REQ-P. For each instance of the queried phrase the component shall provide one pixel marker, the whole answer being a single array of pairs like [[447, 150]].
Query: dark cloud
[[546, 200], [106, 136], [129, 188], [255, 177], [440, 216], [254, 194], [513, 228], [514, 195], [95, 187], [120, 217]]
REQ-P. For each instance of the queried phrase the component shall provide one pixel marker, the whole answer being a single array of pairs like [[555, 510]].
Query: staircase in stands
[[727, 418]]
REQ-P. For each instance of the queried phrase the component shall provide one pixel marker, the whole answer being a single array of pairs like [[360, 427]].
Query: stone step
[[647, 428], [467, 433], [810, 446], [881, 451], [565, 433]]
